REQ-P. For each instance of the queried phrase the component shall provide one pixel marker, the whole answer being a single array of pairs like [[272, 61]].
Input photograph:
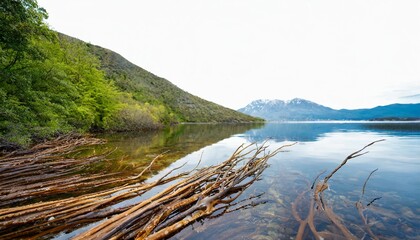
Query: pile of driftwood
[[318, 206], [47, 169], [178, 199], [183, 198]]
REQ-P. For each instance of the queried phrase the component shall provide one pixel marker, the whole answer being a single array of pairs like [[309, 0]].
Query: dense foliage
[[53, 84], [48, 85], [175, 104]]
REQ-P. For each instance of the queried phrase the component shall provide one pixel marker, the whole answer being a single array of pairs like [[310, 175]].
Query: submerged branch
[[356, 154], [361, 208], [372, 201], [318, 199], [197, 196], [47, 169], [190, 196], [367, 179]]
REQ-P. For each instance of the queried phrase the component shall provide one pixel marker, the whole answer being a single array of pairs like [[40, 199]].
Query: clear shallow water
[[320, 146], [323, 146]]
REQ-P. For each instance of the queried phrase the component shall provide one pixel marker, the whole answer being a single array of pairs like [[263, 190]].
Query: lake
[[264, 210]]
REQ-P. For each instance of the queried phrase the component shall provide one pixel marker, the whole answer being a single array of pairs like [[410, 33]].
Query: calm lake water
[[320, 147]]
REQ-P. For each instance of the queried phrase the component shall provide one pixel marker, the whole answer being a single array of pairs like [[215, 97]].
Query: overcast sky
[[342, 54]]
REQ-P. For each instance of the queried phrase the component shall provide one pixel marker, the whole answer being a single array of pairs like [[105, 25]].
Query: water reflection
[[322, 146], [133, 151], [127, 155], [312, 131]]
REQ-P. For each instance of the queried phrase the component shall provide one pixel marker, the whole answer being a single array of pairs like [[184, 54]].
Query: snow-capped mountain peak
[[298, 109], [264, 103]]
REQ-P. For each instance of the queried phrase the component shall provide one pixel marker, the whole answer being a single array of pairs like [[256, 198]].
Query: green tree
[[21, 21], [49, 84]]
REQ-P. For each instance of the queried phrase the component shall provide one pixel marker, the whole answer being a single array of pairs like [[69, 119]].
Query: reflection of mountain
[[304, 110], [137, 149], [394, 128], [311, 131]]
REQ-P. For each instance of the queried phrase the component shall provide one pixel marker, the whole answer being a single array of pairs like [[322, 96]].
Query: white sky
[[342, 54]]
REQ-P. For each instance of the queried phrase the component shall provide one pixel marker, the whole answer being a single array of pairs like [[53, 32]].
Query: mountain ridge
[[147, 87], [299, 109]]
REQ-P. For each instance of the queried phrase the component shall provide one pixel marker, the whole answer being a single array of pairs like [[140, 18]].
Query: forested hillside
[[148, 88], [52, 84]]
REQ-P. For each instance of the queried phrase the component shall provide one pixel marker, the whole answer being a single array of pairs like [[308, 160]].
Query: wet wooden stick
[[323, 185], [195, 197], [318, 199], [72, 211], [358, 153], [309, 220], [361, 209]]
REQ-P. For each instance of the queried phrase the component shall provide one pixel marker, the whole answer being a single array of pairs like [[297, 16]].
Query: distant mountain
[[303, 110]]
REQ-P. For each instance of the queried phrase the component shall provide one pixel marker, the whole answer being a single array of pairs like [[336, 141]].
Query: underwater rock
[[380, 226], [408, 213]]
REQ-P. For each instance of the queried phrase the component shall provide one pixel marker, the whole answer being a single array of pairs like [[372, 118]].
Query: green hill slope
[[52, 84], [146, 87]]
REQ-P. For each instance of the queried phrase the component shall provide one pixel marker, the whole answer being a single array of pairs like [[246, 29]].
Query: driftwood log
[[45, 169], [188, 196], [195, 197]]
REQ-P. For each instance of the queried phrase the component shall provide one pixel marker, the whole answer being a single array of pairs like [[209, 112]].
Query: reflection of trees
[[87, 169], [137, 149], [177, 200], [397, 128], [197, 195]]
